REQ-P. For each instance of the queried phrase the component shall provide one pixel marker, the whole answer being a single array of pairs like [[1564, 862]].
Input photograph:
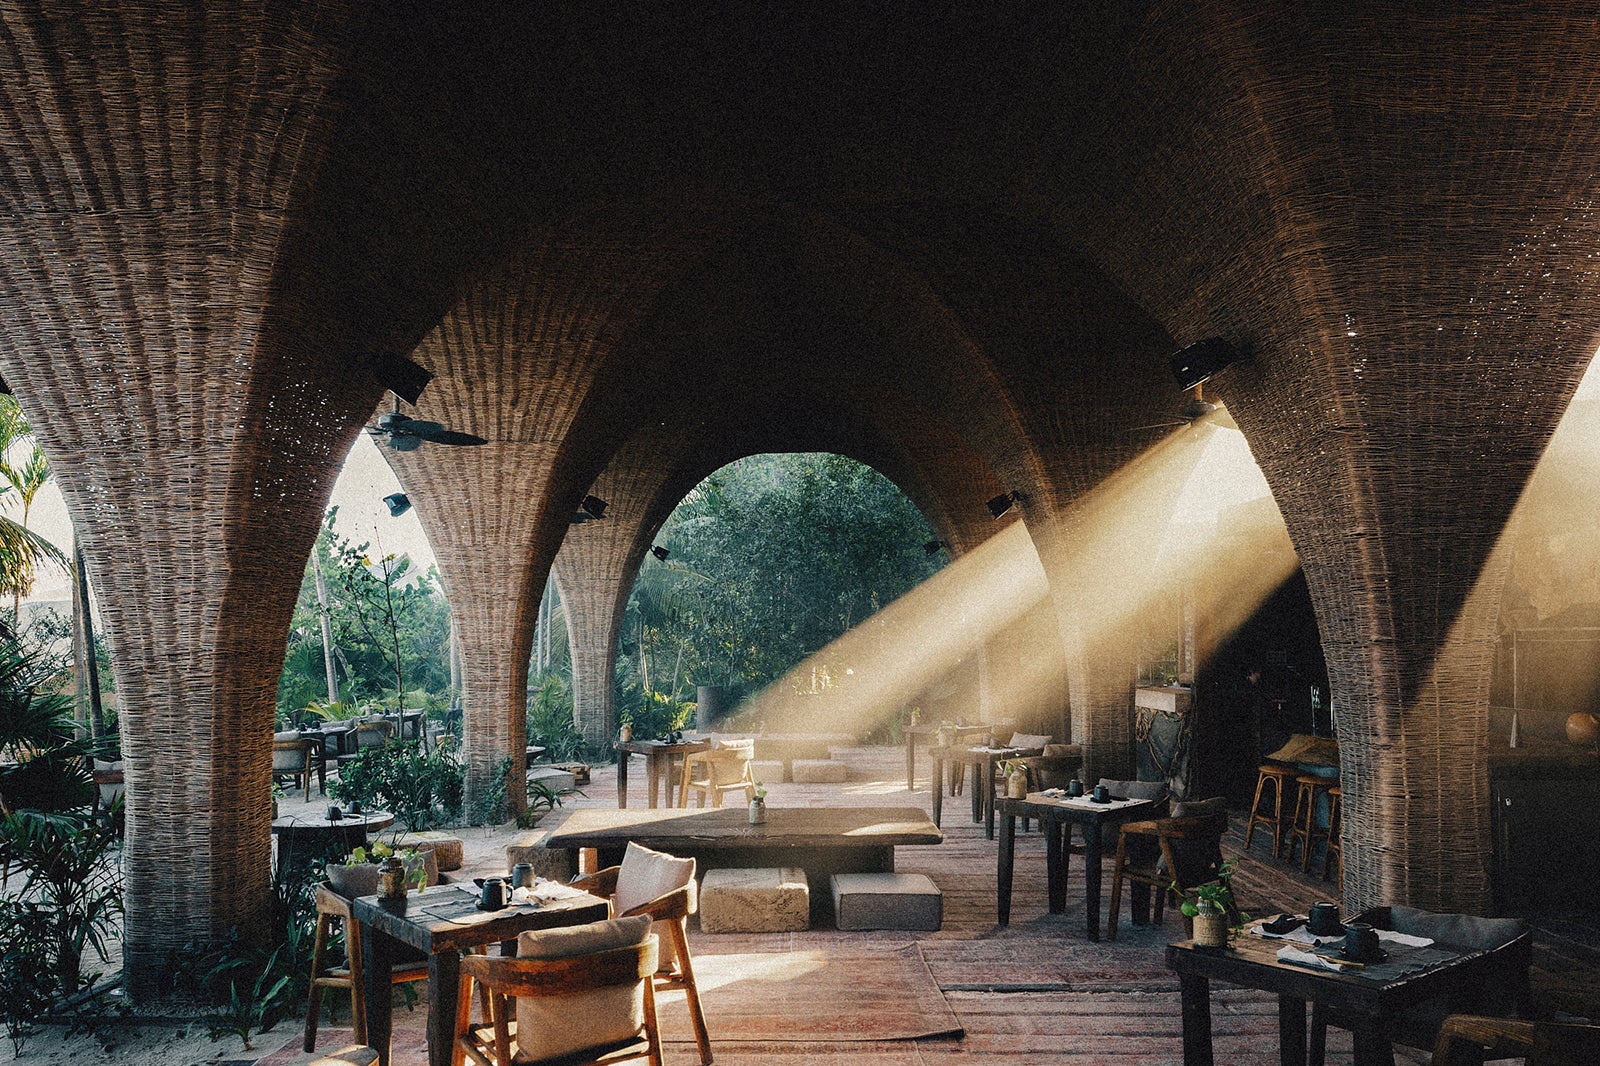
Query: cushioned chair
[[1471, 1040], [663, 887], [333, 907], [368, 735], [721, 770], [1503, 992], [1183, 850], [581, 996], [297, 758]]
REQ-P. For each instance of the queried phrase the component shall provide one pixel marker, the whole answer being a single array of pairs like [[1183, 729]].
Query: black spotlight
[[399, 504], [594, 506], [1002, 503], [400, 376], [1197, 362], [933, 546], [660, 553]]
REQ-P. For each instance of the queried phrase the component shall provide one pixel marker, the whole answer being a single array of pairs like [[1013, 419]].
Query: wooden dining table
[[660, 761], [442, 922]]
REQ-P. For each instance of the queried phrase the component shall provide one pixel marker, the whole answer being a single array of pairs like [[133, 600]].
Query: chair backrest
[[1198, 857], [373, 734], [1028, 740], [292, 756], [1150, 790]]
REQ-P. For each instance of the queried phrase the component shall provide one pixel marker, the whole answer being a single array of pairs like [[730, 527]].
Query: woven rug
[[804, 996]]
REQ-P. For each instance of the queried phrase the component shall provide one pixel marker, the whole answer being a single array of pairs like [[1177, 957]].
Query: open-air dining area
[[550, 533]]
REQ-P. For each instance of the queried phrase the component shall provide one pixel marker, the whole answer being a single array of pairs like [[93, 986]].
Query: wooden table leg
[[1008, 843], [988, 805], [938, 789], [377, 960], [911, 762], [980, 782], [622, 779], [1091, 880], [652, 773], [444, 992], [1291, 1030], [1196, 1020], [1372, 1046], [1055, 861]]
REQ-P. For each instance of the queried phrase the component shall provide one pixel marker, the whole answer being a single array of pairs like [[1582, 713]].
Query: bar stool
[[1274, 774], [1305, 829], [1335, 847], [331, 908]]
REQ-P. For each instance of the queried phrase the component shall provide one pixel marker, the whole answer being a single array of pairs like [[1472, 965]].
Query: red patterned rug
[[810, 996]]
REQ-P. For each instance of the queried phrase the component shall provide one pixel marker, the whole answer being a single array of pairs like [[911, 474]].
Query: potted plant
[[1212, 909], [357, 874], [758, 805]]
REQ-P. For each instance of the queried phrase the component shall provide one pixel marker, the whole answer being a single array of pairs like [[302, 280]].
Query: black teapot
[[495, 894]]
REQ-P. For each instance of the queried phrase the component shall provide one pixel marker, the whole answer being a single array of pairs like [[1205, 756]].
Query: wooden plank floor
[[1036, 991]]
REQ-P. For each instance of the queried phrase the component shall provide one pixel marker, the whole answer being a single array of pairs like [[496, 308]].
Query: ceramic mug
[[1101, 794], [522, 875], [1074, 787], [1324, 919], [1360, 941], [496, 893]]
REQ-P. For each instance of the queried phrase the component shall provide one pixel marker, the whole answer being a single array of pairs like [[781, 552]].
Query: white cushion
[[548, 1026], [1029, 740], [646, 874]]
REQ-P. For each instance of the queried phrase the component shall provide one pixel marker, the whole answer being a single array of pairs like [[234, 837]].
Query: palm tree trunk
[[327, 629], [83, 642]]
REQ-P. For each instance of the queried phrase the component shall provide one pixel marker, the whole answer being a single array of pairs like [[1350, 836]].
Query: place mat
[[1301, 935], [1060, 798], [788, 997], [1402, 959]]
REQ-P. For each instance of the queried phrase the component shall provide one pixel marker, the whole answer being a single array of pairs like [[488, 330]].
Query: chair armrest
[[601, 883], [1185, 828], [1465, 1038], [679, 903]]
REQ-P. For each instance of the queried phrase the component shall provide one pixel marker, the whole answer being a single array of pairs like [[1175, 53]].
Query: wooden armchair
[[507, 980], [716, 772], [670, 913], [1471, 1040], [297, 758], [1184, 850]]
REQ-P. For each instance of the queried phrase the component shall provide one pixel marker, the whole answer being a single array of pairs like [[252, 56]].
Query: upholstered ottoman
[[886, 901], [554, 864], [448, 850], [769, 771], [817, 772], [755, 900]]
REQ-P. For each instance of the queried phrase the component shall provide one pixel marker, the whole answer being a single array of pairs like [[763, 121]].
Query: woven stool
[[1275, 774], [1335, 847], [1304, 829]]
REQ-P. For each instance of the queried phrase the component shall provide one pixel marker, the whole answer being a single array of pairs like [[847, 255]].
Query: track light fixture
[[659, 552], [401, 376], [933, 546], [1003, 503], [399, 504], [1196, 363], [589, 509]]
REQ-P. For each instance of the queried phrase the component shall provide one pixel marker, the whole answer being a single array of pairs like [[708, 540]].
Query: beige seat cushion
[[1028, 740], [548, 1026]]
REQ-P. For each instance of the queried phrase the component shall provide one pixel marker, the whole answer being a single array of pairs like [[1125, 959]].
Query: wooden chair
[[297, 760], [671, 913], [1471, 1040], [368, 735], [332, 907], [1184, 850], [717, 772], [508, 979]]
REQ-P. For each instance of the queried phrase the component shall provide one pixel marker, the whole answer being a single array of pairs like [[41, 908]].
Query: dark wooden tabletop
[[447, 917], [368, 820], [798, 827]]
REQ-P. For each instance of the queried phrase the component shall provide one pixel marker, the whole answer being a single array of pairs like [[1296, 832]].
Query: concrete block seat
[[817, 772], [553, 776], [887, 901], [449, 851], [755, 900], [553, 864], [769, 771], [351, 1055]]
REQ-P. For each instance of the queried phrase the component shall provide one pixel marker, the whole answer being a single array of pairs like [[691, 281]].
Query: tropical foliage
[[390, 628], [23, 472]]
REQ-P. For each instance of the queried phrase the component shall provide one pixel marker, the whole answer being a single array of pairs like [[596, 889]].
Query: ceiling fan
[[1191, 412], [408, 434]]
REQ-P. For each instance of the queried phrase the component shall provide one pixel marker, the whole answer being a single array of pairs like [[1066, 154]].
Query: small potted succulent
[[758, 805]]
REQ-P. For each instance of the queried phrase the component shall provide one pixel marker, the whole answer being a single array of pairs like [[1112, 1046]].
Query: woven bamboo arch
[[214, 213]]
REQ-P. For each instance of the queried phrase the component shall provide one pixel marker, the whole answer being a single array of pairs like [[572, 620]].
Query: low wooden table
[[1251, 961], [442, 921], [659, 757], [821, 840], [1058, 816], [307, 837]]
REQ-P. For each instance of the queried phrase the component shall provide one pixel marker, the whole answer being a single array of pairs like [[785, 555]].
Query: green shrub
[[655, 715], [424, 789]]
